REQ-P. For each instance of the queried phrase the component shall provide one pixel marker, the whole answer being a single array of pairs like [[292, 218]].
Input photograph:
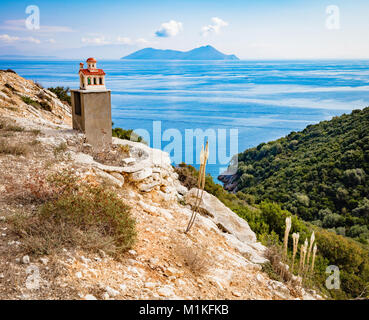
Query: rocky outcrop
[[236, 230], [222, 216], [25, 98]]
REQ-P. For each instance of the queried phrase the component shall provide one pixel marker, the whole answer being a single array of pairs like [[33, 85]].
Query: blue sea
[[259, 100]]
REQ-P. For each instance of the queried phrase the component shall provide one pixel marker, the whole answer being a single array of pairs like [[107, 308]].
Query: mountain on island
[[202, 53]]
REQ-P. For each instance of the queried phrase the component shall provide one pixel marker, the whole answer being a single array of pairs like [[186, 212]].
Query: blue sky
[[259, 29]]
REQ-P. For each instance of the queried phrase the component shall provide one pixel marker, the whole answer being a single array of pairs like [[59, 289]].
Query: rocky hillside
[[29, 100], [218, 259]]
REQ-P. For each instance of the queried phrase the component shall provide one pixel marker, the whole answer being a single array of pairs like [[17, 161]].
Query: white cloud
[[9, 39], [20, 25], [101, 40], [124, 40], [169, 29], [32, 40], [51, 41], [142, 41], [213, 28]]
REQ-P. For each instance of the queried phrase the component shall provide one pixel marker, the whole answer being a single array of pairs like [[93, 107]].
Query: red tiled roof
[[95, 72], [91, 60]]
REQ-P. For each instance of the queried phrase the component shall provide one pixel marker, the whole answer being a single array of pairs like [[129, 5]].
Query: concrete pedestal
[[91, 112]]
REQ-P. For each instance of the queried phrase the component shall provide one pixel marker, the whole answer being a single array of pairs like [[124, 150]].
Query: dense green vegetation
[[62, 93], [267, 220], [319, 174]]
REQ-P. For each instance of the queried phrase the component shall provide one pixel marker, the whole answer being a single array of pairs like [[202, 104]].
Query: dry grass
[[16, 149], [196, 259], [73, 214], [45, 236], [60, 149], [8, 126], [276, 268], [35, 132]]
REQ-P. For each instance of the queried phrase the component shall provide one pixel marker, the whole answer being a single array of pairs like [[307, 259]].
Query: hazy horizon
[[262, 30]]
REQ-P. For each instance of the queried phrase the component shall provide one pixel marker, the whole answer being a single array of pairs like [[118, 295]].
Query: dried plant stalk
[[295, 238], [313, 260], [286, 233], [303, 255], [204, 155], [312, 239]]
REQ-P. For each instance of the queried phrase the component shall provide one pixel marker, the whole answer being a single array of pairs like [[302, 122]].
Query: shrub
[[9, 70], [126, 134], [14, 149], [79, 214], [333, 220], [62, 93], [60, 149], [4, 125], [276, 267], [28, 100], [40, 105], [195, 258], [187, 175], [363, 209], [356, 231], [351, 258]]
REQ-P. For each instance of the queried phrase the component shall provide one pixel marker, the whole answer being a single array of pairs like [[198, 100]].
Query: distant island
[[202, 53]]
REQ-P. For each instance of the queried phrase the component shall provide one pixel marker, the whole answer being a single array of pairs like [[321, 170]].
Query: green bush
[[126, 134], [62, 93], [351, 258], [40, 105]]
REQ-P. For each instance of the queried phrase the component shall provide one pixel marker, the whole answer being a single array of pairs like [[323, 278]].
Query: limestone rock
[[114, 181], [118, 176], [142, 174], [26, 260], [223, 216], [111, 292], [147, 187], [149, 285], [279, 288], [236, 294], [170, 271], [128, 161], [255, 255], [166, 291], [181, 189]]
